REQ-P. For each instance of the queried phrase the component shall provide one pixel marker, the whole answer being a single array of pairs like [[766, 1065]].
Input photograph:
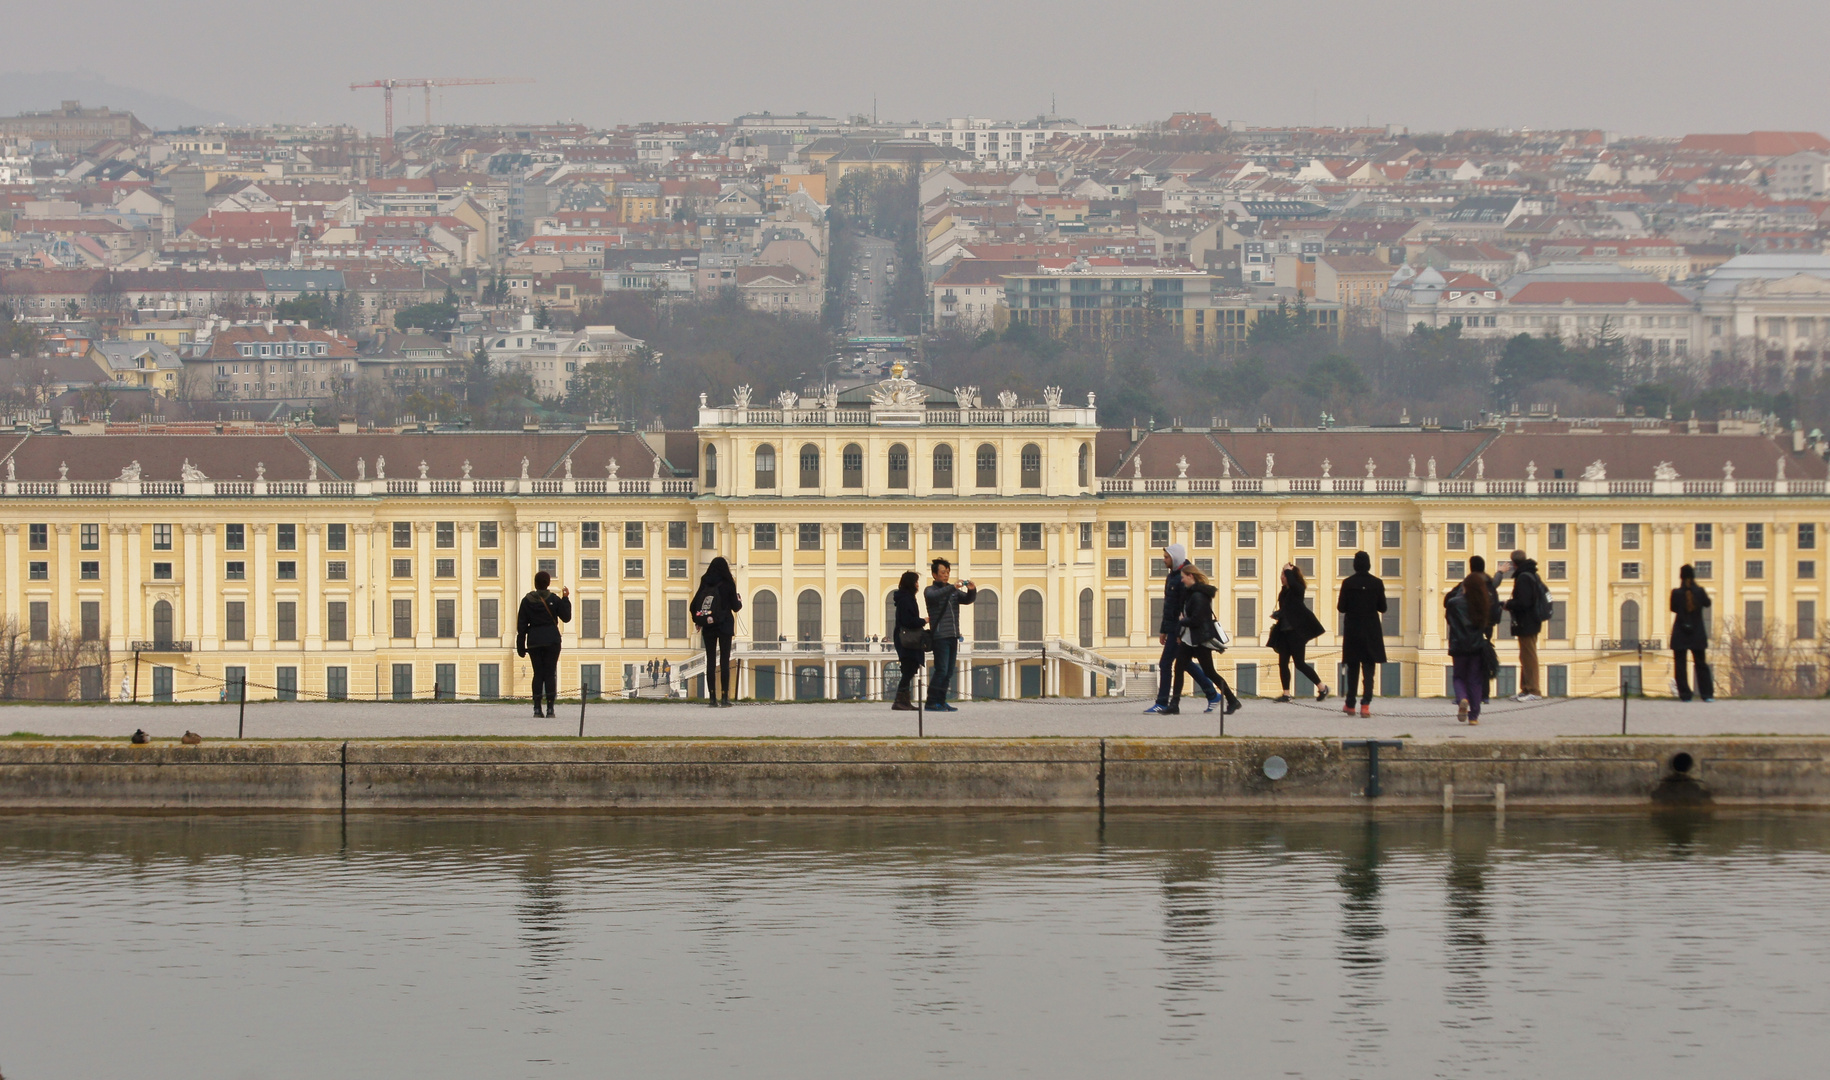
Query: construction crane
[[388, 86]]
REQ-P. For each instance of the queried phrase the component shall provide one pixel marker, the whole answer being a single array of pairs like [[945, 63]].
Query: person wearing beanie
[[1362, 608], [1169, 631]]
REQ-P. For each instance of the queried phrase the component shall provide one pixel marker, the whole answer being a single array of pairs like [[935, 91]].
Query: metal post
[[1373, 789], [136, 676], [921, 701], [583, 694], [241, 712]]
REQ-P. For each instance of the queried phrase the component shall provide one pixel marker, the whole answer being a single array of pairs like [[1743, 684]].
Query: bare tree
[[61, 667]]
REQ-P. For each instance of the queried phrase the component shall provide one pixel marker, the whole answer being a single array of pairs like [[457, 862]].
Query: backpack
[[1541, 606]]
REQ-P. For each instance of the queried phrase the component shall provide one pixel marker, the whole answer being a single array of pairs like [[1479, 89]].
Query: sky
[[1640, 67]]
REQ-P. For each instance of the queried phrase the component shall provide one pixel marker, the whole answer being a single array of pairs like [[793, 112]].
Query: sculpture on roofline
[[260, 471], [524, 466], [1182, 467], [1597, 471], [1371, 467], [362, 469], [1327, 468], [568, 466], [466, 468], [1664, 470], [1007, 399], [381, 467], [740, 397], [1432, 467], [131, 473], [422, 468], [191, 474], [1051, 396], [611, 466], [1728, 470], [1413, 466], [657, 467], [1270, 465], [1137, 466], [787, 399], [1531, 470], [311, 467]]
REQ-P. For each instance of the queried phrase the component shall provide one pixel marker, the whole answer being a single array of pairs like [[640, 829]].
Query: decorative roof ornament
[[260, 470], [1371, 467], [1782, 469], [311, 467], [1270, 465], [422, 468], [1091, 398], [897, 392], [381, 467], [657, 467], [1007, 399], [1051, 396], [1597, 470], [63, 471], [787, 399], [1728, 470], [1531, 470], [829, 396], [702, 399], [1480, 467], [524, 466], [1664, 470], [1137, 466], [740, 397], [191, 474], [362, 469], [611, 467], [568, 466], [131, 473], [1413, 466], [466, 468], [10, 470], [1226, 466], [1327, 468], [1182, 467], [1432, 467]]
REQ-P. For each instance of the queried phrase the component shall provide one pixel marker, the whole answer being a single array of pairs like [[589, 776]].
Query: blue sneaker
[[944, 707], [1157, 708], [1211, 703]]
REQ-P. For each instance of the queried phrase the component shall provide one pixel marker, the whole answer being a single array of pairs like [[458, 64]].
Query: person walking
[[944, 599], [1294, 626], [910, 655], [1169, 632], [1477, 564], [714, 608], [1690, 634], [537, 636], [1530, 607], [1468, 609], [1362, 608], [1197, 636]]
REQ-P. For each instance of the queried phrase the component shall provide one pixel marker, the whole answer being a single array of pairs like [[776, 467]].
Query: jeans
[[1705, 684], [1528, 665], [1194, 661], [545, 659], [1295, 656], [1363, 669], [717, 665], [946, 662], [911, 661], [1166, 670], [1470, 680]]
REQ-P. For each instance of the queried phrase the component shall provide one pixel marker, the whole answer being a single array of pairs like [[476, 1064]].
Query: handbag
[[922, 639]]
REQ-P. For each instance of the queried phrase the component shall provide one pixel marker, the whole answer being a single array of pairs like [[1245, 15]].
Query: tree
[[316, 308], [436, 318], [543, 319]]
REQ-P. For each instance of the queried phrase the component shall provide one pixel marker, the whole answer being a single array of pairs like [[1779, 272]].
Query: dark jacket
[[1175, 594], [908, 611], [944, 601], [537, 623], [1361, 604], [1465, 639], [1294, 623], [1197, 612], [1526, 587], [725, 603], [1688, 630]]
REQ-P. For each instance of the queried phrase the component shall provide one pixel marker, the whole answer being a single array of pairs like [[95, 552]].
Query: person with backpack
[[1531, 609], [537, 636], [1362, 608], [912, 639], [1294, 627], [1690, 634], [714, 606]]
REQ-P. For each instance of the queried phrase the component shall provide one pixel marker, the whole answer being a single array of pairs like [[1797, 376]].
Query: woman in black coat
[[1295, 627], [1195, 645], [908, 618], [714, 608], [1362, 605], [1690, 635]]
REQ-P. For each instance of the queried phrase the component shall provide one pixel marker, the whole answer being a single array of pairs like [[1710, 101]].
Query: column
[[66, 577], [829, 586], [15, 602], [1140, 576], [1007, 582], [363, 594], [119, 584], [656, 565], [1429, 614], [260, 590], [467, 585], [312, 599], [202, 592], [423, 555]]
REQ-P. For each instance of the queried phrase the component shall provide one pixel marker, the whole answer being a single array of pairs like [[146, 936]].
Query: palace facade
[[312, 563]]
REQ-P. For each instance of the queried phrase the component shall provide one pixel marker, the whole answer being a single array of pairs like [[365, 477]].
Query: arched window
[[1086, 465], [851, 615], [1032, 466], [899, 467], [711, 468], [162, 622], [1086, 615], [851, 465], [1029, 619], [810, 466], [943, 466], [985, 619], [807, 616], [1629, 623], [764, 617], [765, 467], [889, 616], [988, 465]]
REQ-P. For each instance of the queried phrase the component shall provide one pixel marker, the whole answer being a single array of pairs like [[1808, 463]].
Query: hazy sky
[[1663, 67]]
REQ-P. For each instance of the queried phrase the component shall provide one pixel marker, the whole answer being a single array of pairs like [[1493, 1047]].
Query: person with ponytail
[[1469, 608], [1690, 634]]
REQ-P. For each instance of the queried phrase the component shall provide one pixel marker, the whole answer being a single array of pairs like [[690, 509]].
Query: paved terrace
[[1423, 719]]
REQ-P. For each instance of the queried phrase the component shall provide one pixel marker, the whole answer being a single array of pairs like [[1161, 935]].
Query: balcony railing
[[90, 489]]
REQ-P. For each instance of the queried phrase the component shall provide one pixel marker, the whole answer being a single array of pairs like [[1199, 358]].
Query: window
[[1391, 624], [985, 536], [708, 537], [987, 461], [488, 534], [235, 620], [1030, 466], [851, 615], [807, 616], [550, 567], [851, 536], [235, 537], [546, 534], [162, 537], [1245, 617], [403, 682], [676, 535], [444, 568], [91, 620], [1115, 617], [809, 536], [591, 618], [676, 568], [1115, 568], [403, 534], [286, 570], [1556, 570], [1629, 571], [1204, 534], [1804, 627], [899, 467], [1115, 534], [1755, 570], [489, 681], [590, 534], [765, 467], [1753, 618], [851, 466], [336, 570], [810, 467], [1247, 568], [444, 534], [286, 537], [985, 617], [1807, 536], [633, 532], [1559, 620], [896, 537], [1347, 534], [1305, 534], [1705, 568], [444, 618], [91, 570], [632, 568], [711, 468], [1391, 534], [1558, 537], [38, 571], [38, 537], [90, 537], [1703, 537], [337, 621], [1029, 536], [1807, 569], [488, 618], [403, 618], [1086, 536], [286, 621], [943, 536], [590, 568], [1306, 566], [235, 571], [1508, 537], [1457, 537], [1159, 534], [1756, 537], [765, 536], [1390, 567], [764, 617], [1456, 569], [1343, 566], [1629, 538], [403, 568], [487, 568], [1248, 534]]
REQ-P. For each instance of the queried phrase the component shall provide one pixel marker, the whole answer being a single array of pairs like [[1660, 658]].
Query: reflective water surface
[[867, 946]]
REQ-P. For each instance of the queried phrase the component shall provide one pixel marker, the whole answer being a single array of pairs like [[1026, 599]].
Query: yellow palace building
[[312, 563]]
